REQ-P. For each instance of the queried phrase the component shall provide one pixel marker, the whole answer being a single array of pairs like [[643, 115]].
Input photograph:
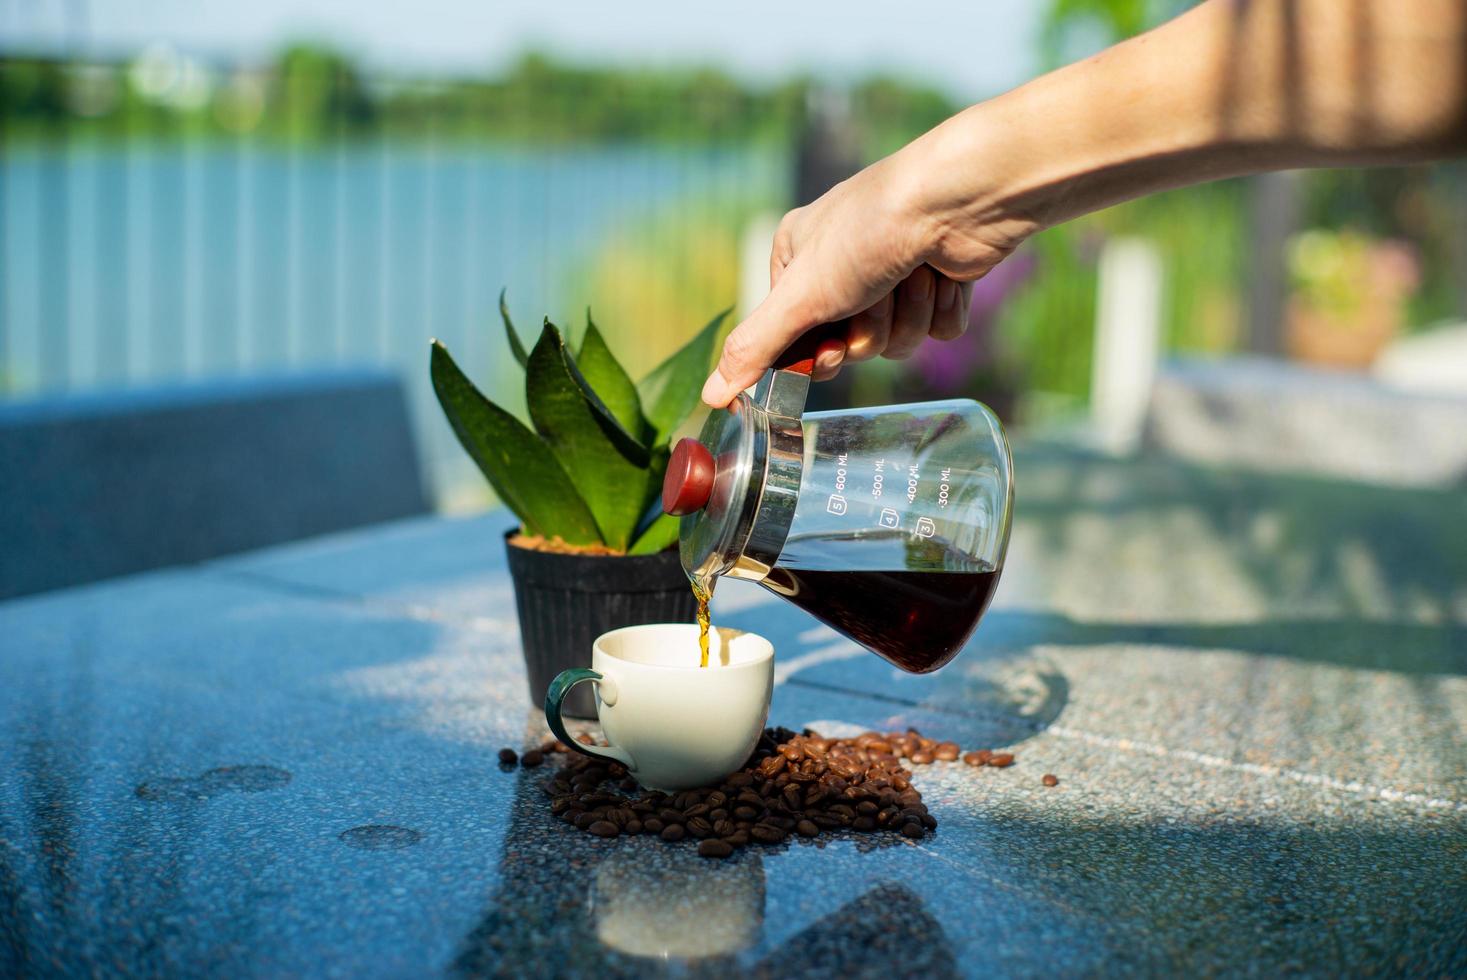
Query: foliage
[[311, 92], [1342, 274], [1048, 325], [591, 461], [1100, 22]]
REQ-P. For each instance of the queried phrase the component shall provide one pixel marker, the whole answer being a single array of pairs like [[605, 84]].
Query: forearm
[[1231, 87]]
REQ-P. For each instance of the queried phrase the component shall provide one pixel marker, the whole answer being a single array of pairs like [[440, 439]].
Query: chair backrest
[[97, 485]]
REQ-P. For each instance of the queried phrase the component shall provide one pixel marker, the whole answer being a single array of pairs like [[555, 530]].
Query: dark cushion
[[97, 485]]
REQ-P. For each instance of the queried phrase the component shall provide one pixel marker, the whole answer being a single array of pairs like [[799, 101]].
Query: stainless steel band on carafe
[[759, 456]]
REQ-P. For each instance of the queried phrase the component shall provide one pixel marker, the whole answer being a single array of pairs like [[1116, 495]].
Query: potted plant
[[1349, 296], [581, 478]]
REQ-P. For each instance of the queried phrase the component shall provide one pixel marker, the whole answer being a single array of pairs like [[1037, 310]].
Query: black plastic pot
[[566, 601]]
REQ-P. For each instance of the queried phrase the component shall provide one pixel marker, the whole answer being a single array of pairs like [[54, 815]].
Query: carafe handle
[[783, 389], [799, 357]]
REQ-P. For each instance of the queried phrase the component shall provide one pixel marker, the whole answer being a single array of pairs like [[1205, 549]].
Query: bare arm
[[1231, 87]]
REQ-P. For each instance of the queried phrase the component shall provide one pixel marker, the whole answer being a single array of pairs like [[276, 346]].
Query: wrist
[[961, 190]]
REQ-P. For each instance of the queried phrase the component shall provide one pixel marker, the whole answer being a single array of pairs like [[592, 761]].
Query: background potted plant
[[580, 478], [1349, 298]]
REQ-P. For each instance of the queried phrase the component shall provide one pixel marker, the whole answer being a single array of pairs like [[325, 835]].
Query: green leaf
[[671, 390], [517, 348], [613, 486], [517, 463], [631, 446], [660, 536], [609, 380]]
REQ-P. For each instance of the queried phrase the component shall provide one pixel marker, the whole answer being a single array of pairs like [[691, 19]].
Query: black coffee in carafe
[[888, 524]]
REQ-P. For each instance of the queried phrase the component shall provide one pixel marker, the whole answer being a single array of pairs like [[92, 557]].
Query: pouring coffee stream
[[888, 524]]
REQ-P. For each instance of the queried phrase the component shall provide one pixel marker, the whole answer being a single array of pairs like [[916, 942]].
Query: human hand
[[878, 249]]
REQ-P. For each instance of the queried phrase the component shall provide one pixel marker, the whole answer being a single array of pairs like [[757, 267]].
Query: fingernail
[[712, 389], [947, 294]]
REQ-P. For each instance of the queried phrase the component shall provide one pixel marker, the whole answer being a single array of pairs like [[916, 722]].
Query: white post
[[1127, 342], [754, 248]]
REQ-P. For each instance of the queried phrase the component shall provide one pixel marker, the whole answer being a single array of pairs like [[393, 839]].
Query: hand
[[874, 251]]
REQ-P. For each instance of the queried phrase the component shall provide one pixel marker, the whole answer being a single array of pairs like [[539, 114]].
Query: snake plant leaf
[[613, 485], [670, 391], [609, 380], [632, 447], [515, 346], [517, 463], [659, 537], [655, 530]]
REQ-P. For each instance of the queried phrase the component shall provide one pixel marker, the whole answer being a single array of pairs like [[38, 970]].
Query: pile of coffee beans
[[794, 783]]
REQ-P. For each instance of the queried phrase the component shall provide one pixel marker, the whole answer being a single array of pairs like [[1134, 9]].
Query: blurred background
[[193, 191]]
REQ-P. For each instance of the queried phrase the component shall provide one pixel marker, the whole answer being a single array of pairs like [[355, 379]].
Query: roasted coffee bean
[[1002, 760], [715, 848], [947, 751], [791, 784], [508, 756], [1050, 779], [604, 828], [551, 745], [532, 758], [978, 758], [585, 739], [765, 834]]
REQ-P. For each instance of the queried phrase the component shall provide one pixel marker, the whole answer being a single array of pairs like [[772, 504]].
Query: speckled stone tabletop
[[1252, 689]]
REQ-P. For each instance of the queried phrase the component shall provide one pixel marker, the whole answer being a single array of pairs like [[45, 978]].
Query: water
[[129, 264]]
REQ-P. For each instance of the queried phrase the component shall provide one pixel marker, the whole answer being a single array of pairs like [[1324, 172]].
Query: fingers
[[950, 309], [912, 320], [754, 344], [866, 337], [828, 359]]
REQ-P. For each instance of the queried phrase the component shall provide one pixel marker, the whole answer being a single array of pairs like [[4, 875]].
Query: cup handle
[[555, 697]]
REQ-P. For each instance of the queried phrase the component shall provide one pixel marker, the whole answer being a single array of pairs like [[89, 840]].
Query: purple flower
[[945, 366]]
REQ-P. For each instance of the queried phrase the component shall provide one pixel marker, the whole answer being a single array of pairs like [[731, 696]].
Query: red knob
[[689, 479]]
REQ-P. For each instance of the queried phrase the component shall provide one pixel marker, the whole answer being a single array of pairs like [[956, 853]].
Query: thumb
[[754, 345]]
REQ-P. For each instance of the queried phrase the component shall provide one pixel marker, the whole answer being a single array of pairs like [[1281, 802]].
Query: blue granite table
[[1252, 689]]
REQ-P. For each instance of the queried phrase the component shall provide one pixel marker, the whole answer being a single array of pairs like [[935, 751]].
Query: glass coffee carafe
[[889, 524]]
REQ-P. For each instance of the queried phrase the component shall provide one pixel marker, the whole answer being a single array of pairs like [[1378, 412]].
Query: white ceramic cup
[[673, 724]]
